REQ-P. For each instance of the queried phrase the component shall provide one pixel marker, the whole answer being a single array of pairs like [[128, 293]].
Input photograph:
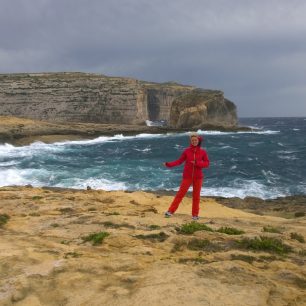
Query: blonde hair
[[193, 134]]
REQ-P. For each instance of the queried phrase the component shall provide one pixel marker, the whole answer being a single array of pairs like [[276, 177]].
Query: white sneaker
[[195, 218], [168, 214]]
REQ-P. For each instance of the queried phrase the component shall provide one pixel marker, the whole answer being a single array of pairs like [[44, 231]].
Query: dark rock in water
[[199, 108]]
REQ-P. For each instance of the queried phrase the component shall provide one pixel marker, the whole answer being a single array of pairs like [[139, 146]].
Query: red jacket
[[190, 154]]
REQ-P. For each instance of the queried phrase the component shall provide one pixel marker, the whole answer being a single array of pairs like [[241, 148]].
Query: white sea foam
[[248, 189], [148, 149], [36, 147], [226, 147], [288, 157], [156, 123], [270, 176], [296, 129], [216, 133], [9, 163], [254, 144], [35, 177], [8, 150], [11, 177], [94, 183]]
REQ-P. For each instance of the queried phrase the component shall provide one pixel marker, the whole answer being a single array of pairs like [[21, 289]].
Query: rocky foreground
[[88, 247]]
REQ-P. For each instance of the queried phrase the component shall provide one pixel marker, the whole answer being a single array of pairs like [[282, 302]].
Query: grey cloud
[[252, 50]]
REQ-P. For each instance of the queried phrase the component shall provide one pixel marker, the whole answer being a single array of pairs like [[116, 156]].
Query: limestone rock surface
[[200, 108], [95, 98]]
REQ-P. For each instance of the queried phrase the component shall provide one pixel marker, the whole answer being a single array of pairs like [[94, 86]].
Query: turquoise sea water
[[266, 164]]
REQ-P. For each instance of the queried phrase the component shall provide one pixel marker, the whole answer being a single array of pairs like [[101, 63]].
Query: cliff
[[199, 108], [94, 98]]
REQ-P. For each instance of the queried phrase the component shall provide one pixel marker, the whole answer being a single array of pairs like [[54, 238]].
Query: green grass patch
[[230, 231], [300, 282], [268, 258], [37, 198], [192, 227], [196, 260], [114, 225], [271, 229], [302, 253], [55, 225], [66, 210], [263, 243], [299, 214], [242, 257], [96, 238], [202, 245], [179, 245], [92, 209], [154, 227], [114, 213], [4, 219], [66, 242], [154, 237], [297, 237], [34, 214]]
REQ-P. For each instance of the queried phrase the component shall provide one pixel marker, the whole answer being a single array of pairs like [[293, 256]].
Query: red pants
[[196, 184]]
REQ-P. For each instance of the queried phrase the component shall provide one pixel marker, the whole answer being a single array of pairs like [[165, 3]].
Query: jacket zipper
[[193, 163]]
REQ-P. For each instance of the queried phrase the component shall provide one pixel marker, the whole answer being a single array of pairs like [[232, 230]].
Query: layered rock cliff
[[94, 98], [200, 108]]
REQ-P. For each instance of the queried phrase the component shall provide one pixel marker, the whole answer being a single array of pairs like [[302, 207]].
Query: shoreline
[[293, 206], [20, 131]]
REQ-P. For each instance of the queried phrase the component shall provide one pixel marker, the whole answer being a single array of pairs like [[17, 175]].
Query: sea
[[267, 163]]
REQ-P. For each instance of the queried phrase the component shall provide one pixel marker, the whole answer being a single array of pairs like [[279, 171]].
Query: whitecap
[[143, 150], [247, 189], [94, 183], [226, 147], [156, 123], [254, 144], [286, 157], [217, 133], [270, 176], [35, 177], [9, 163], [11, 177]]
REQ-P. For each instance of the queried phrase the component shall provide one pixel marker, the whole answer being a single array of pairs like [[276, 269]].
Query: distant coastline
[[22, 131]]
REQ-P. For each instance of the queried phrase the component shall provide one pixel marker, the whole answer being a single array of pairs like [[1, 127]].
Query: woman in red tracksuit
[[195, 159]]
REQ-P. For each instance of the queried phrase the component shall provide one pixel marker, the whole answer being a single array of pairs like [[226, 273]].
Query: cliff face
[[200, 108], [72, 97], [82, 97]]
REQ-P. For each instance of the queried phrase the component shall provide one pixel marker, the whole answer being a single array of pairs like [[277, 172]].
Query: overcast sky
[[254, 51]]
